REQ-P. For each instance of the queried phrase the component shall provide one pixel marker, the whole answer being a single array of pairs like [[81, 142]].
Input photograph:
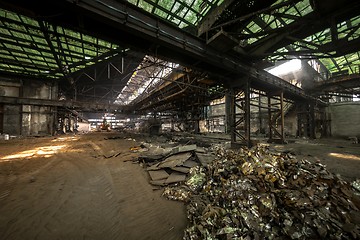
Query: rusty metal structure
[[174, 58]]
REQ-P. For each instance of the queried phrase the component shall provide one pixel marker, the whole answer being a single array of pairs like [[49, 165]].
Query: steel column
[[247, 113], [282, 117], [240, 128], [269, 118], [312, 120], [232, 115], [276, 113], [228, 116]]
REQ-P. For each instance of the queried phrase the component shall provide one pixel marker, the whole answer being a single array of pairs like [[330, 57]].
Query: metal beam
[[302, 28], [211, 17], [141, 30], [52, 48], [276, 118], [83, 106]]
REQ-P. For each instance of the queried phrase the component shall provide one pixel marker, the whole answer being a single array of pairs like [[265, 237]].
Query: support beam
[[240, 122], [142, 31], [52, 48], [211, 17], [276, 118], [228, 111], [84, 106], [307, 25], [232, 115], [247, 113], [312, 120], [282, 116]]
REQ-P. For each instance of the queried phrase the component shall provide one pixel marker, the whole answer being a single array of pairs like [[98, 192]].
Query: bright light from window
[[344, 156], [290, 66], [45, 151]]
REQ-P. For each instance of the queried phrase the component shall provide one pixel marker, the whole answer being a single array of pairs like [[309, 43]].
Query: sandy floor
[[64, 188], [339, 155], [83, 187]]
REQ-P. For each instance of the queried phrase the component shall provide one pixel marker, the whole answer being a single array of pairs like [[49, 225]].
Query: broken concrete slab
[[175, 160], [205, 159], [200, 150], [186, 148], [158, 174], [190, 164], [151, 158], [175, 177], [159, 182], [181, 169]]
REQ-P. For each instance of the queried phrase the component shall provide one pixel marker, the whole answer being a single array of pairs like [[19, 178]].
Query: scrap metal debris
[[257, 194], [356, 185]]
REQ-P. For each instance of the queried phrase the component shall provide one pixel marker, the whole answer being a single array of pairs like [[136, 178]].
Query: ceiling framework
[[149, 74], [104, 81], [276, 30], [106, 50], [181, 90], [44, 50], [184, 14], [297, 29]]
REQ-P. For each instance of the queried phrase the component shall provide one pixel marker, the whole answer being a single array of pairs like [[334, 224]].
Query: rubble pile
[[173, 165], [257, 194]]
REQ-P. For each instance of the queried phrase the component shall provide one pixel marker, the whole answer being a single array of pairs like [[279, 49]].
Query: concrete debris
[[175, 160], [158, 174], [205, 159], [190, 163], [200, 150], [172, 167], [186, 148], [181, 169], [159, 182], [258, 194], [175, 177]]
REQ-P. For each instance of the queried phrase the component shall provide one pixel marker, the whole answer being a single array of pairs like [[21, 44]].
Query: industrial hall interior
[[179, 119]]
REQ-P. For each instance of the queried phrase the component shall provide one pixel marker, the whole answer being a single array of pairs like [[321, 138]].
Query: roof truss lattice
[[37, 48]]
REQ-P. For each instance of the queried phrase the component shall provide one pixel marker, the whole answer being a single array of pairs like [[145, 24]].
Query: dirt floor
[[85, 187], [339, 155], [65, 188]]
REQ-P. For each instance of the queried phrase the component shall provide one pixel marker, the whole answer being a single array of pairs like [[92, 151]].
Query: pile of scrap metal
[[173, 165], [257, 194]]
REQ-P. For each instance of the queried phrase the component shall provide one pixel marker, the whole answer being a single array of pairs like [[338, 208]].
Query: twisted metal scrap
[[256, 194]]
